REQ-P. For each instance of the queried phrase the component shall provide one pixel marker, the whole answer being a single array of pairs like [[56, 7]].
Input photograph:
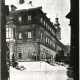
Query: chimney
[[13, 8], [45, 13], [21, 1], [40, 7], [49, 18], [30, 2]]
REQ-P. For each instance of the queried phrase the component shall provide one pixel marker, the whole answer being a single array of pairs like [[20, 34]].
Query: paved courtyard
[[39, 71]]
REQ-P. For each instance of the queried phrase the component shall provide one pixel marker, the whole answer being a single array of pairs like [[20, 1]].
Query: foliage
[[60, 56]]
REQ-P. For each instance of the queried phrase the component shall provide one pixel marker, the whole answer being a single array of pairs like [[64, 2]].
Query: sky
[[52, 8]]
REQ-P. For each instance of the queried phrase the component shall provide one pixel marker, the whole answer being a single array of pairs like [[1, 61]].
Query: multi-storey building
[[32, 36]]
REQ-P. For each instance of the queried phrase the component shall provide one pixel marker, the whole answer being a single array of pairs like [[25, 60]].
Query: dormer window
[[20, 18], [29, 17]]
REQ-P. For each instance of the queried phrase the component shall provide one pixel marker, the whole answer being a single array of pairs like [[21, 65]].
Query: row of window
[[20, 18], [42, 21], [42, 56], [47, 26], [28, 34], [48, 40], [10, 33]]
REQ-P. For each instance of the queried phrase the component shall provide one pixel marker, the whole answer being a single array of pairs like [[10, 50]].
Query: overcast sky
[[52, 8]]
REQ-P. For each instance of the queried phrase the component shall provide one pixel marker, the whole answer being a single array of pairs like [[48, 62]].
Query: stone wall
[[46, 53]]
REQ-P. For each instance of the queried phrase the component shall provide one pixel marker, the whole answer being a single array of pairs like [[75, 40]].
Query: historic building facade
[[31, 35]]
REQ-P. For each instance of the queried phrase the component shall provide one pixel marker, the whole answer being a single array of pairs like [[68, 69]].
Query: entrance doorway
[[20, 56]]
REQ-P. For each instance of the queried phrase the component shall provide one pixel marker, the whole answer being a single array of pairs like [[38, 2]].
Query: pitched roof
[[24, 6]]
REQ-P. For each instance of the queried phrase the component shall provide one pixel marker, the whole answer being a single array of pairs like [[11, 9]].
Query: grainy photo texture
[[37, 42]]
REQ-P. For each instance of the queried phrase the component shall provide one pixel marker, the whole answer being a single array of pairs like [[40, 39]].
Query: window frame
[[20, 36], [46, 39], [44, 22], [50, 42], [41, 36], [19, 18], [7, 33], [41, 19], [29, 35], [29, 18]]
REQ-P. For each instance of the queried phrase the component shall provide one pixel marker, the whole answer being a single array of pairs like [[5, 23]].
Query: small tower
[[58, 29]]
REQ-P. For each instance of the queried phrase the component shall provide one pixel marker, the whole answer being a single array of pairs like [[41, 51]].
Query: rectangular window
[[20, 35], [46, 39], [29, 17], [50, 29], [8, 32], [41, 36], [29, 34], [46, 25], [53, 44], [50, 42], [41, 20], [44, 22], [20, 18], [7, 35], [53, 32]]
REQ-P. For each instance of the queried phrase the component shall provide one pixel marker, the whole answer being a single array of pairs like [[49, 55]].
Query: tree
[[57, 58], [60, 56]]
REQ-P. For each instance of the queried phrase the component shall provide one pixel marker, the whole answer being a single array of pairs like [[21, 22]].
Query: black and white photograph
[[39, 40]]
